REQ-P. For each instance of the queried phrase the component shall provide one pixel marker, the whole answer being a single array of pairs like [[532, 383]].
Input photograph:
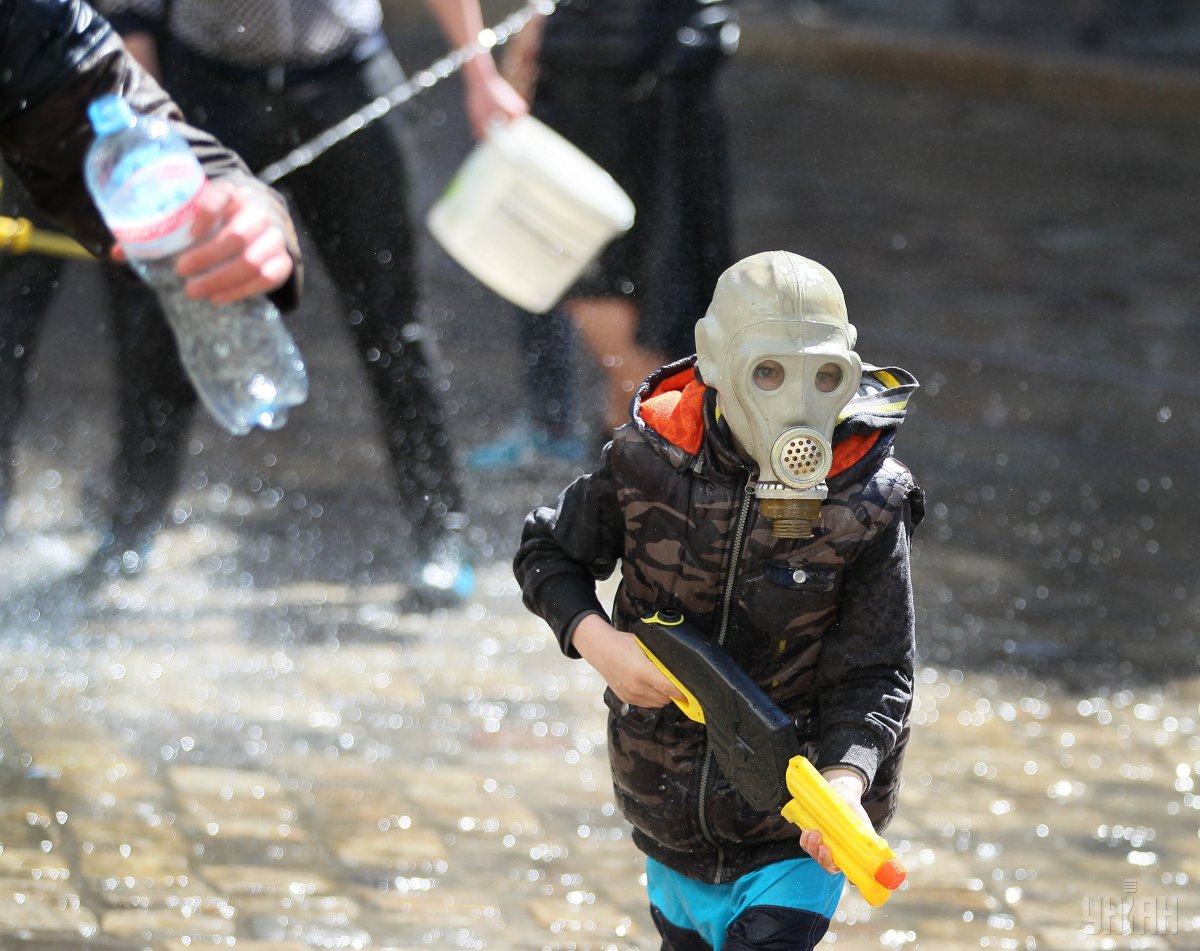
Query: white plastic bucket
[[527, 212]]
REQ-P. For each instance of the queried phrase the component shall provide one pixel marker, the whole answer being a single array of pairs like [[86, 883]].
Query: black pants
[[661, 137], [548, 376], [27, 284], [663, 140], [354, 204]]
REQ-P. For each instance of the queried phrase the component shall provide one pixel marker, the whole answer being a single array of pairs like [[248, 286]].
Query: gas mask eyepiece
[[777, 346]]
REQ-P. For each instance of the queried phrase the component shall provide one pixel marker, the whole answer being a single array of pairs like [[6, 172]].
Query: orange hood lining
[[675, 410]]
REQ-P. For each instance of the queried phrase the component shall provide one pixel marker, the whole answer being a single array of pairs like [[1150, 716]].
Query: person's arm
[[849, 786], [864, 675], [622, 663], [241, 249], [64, 55], [138, 23], [565, 550], [488, 94], [144, 48], [865, 671]]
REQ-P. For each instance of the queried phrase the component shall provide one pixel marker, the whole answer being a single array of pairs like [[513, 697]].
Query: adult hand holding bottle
[[241, 244], [241, 247], [203, 250]]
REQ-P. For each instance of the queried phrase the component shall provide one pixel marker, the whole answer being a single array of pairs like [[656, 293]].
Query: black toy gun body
[[758, 749]]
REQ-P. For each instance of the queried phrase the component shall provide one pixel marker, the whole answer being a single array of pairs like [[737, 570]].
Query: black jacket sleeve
[[565, 550], [864, 677], [60, 55]]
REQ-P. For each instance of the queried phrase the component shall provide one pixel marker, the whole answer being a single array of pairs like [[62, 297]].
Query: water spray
[[420, 82], [19, 236]]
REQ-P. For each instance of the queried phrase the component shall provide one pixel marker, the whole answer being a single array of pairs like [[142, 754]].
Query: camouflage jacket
[[825, 625]]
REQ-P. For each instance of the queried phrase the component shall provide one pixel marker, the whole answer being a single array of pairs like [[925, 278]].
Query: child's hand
[[849, 786], [622, 663]]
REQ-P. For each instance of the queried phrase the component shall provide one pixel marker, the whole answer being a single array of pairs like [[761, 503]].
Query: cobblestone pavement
[[184, 770], [252, 746]]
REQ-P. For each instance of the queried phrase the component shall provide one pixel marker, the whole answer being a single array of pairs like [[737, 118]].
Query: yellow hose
[[19, 236]]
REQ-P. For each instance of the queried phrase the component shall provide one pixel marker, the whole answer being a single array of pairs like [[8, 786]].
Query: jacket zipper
[[739, 533]]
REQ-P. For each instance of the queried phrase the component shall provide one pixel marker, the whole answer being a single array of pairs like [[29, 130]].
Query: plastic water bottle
[[145, 181]]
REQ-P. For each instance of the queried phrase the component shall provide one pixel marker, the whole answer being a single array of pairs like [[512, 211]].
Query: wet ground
[[251, 746]]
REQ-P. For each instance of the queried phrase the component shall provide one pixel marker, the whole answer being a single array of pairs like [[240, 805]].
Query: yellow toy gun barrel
[[856, 848]]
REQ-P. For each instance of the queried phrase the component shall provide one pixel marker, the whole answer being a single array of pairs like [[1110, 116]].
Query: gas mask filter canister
[[777, 346]]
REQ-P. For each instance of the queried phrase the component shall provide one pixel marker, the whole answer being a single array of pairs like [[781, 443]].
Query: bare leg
[[609, 327]]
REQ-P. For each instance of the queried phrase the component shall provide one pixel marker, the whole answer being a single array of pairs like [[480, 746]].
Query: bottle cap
[[891, 874], [110, 114]]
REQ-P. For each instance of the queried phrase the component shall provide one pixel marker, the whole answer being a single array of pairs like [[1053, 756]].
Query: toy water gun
[[758, 749], [19, 236]]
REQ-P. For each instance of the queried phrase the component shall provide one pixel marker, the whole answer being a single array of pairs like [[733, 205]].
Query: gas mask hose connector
[[792, 518]]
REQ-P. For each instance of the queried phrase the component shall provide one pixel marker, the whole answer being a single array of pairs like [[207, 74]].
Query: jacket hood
[[880, 403], [677, 413]]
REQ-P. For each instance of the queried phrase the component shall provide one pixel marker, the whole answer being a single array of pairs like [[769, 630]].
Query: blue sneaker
[[444, 578], [522, 445]]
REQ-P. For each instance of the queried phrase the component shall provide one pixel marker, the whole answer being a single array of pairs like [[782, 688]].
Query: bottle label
[[168, 193]]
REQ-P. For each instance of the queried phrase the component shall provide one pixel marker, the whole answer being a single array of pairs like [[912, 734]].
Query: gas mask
[[777, 346]]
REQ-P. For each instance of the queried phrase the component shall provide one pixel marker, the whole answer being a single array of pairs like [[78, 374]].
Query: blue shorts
[[786, 905]]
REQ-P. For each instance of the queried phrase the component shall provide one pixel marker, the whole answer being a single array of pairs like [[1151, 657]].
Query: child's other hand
[[849, 786], [622, 663]]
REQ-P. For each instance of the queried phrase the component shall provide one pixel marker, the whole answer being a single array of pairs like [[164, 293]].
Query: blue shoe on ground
[[443, 578], [524, 445]]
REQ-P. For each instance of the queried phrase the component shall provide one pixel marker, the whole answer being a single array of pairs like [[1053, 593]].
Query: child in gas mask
[[754, 490]]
